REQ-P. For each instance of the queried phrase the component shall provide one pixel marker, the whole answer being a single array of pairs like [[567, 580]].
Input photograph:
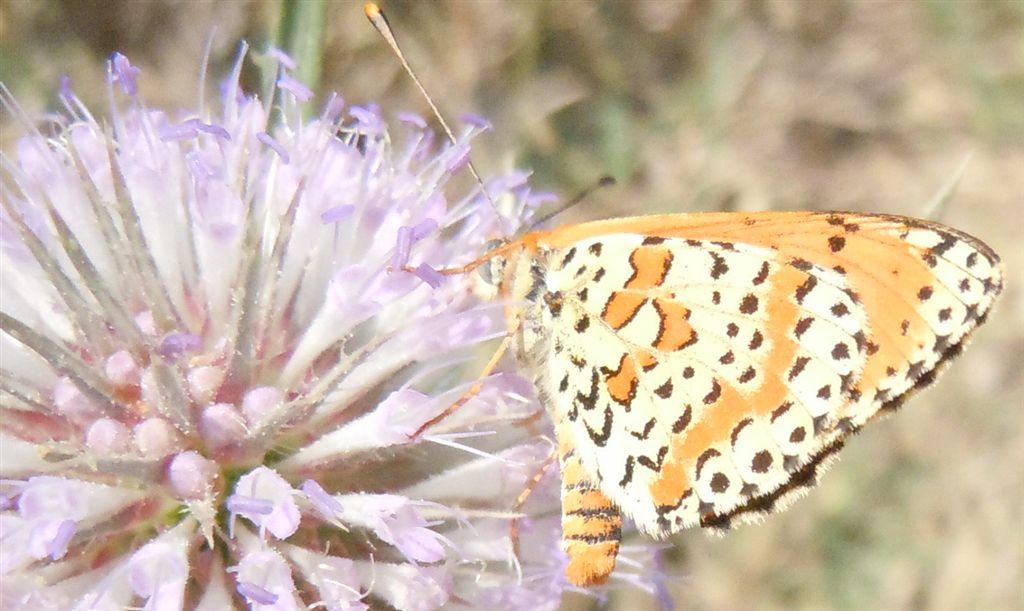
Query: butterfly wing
[[708, 364]]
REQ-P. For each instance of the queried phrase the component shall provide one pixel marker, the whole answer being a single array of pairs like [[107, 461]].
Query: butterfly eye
[[493, 270]]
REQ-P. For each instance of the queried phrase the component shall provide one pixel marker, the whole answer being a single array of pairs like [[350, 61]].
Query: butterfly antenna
[[380, 23], [604, 181]]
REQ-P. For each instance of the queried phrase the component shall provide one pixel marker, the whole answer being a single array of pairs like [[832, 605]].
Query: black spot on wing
[[781, 410], [628, 476], [749, 304], [683, 421], [762, 274], [840, 351], [589, 401], [569, 256], [653, 464], [839, 310], [761, 462], [714, 393], [804, 289], [802, 326], [718, 266], [736, 430], [948, 242], [703, 458], [802, 264], [648, 427], [600, 438], [798, 366], [719, 482]]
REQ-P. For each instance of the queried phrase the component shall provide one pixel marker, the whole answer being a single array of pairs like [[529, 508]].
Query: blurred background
[[700, 105]]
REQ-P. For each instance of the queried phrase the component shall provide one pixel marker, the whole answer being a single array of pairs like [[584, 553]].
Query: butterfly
[[703, 369]]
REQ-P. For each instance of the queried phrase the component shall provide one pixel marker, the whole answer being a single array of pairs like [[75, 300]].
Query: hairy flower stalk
[[213, 363]]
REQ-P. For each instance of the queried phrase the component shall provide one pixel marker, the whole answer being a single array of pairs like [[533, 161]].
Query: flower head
[[214, 359]]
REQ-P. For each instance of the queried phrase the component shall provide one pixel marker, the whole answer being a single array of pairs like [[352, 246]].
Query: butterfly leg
[[471, 392], [591, 523], [524, 495]]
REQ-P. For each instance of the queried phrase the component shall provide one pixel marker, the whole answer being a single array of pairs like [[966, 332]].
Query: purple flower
[[214, 361], [395, 520]]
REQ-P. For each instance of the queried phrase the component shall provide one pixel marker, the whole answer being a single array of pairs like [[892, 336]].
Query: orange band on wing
[[621, 307], [650, 266], [715, 424], [674, 332], [623, 381], [645, 359], [782, 315]]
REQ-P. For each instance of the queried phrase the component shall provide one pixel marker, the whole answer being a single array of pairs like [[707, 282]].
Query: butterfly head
[[514, 268]]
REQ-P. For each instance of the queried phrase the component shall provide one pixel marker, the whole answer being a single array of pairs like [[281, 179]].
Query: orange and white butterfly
[[702, 369]]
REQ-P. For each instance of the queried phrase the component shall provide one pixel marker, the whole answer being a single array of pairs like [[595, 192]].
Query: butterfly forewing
[[705, 365]]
